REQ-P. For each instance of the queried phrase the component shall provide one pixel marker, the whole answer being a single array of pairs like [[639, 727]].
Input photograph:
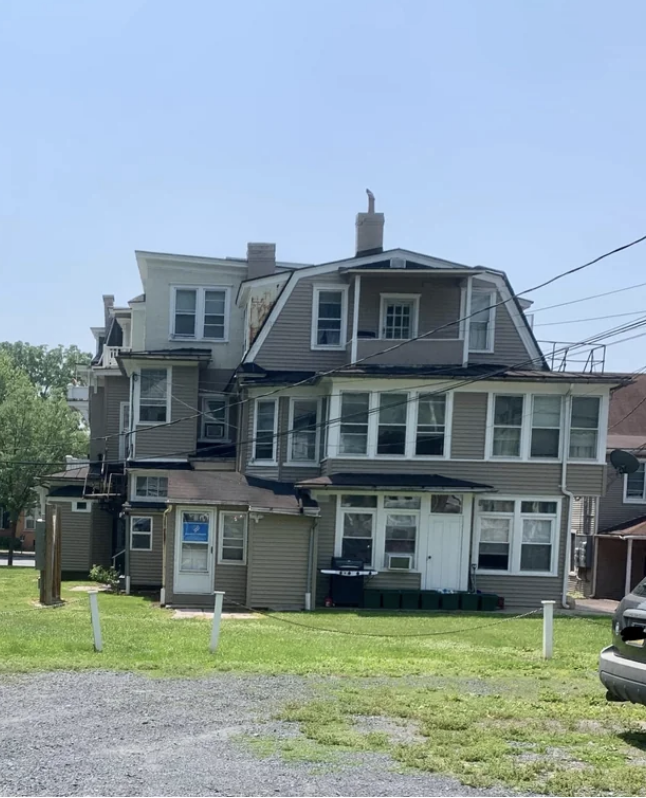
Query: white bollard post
[[548, 628], [96, 624], [217, 617]]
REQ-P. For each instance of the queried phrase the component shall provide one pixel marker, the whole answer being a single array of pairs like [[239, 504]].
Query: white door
[[124, 428], [444, 549], [194, 551]]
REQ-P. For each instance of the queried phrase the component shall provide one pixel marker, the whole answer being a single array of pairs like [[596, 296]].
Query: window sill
[[264, 463], [301, 463], [634, 501], [232, 562], [481, 351], [336, 348], [214, 440], [150, 498], [180, 338], [149, 424], [140, 549]]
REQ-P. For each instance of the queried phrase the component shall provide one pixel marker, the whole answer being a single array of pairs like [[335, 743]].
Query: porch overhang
[[431, 483]]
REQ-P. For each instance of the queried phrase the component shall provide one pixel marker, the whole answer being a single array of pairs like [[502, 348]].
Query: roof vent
[[398, 263]]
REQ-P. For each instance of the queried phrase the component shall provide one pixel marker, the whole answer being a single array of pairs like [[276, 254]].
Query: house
[[251, 419], [619, 561], [25, 530]]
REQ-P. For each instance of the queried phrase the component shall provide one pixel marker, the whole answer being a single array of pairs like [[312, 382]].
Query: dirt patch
[[399, 731]]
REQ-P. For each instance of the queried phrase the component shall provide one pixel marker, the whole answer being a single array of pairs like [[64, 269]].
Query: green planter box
[[469, 601], [430, 600], [410, 599], [372, 599], [390, 599], [449, 601], [488, 602]]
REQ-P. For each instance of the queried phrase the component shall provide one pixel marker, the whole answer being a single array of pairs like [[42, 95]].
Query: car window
[[640, 590]]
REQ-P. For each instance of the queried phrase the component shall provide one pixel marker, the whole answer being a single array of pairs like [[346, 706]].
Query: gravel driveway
[[102, 733]]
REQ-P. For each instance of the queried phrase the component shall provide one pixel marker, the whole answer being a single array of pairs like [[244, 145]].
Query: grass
[[481, 705]]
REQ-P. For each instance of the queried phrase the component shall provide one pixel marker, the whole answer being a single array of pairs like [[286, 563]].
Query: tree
[[50, 370], [36, 432]]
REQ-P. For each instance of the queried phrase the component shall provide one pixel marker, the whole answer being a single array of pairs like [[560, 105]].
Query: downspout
[[126, 558], [569, 495], [310, 569], [162, 592]]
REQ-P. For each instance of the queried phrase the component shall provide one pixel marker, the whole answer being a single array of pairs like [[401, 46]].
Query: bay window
[[546, 426], [329, 318], [517, 536], [635, 486], [355, 410], [265, 430], [303, 436], [431, 419], [153, 396], [507, 426], [584, 427], [199, 313], [391, 435]]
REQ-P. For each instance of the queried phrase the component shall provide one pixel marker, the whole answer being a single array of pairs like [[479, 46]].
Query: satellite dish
[[624, 462]]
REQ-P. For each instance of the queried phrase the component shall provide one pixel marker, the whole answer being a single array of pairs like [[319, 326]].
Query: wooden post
[[47, 575], [548, 628], [217, 617]]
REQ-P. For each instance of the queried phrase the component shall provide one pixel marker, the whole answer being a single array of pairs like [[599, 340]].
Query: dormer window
[[199, 314], [330, 311], [481, 323], [399, 314]]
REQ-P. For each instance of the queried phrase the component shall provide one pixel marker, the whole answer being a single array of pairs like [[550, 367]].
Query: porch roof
[[634, 528], [387, 481], [235, 489]]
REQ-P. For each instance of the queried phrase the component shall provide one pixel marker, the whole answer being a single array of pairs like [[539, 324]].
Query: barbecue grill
[[346, 581]]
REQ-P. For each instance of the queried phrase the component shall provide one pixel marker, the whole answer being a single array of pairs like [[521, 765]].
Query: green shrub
[[6, 543], [107, 576]]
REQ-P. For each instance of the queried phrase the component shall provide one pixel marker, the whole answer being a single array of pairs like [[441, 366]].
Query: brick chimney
[[108, 304], [261, 260], [370, 229]]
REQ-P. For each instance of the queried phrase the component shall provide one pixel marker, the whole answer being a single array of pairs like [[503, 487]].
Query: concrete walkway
[[595, 606]]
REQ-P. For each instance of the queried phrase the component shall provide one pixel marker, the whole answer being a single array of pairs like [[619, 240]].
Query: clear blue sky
[[506, 133]]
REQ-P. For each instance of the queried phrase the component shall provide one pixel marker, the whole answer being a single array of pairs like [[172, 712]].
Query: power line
[[588, 298], [591, 318]]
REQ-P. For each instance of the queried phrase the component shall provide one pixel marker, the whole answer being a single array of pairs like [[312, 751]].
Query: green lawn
[[481, 705]]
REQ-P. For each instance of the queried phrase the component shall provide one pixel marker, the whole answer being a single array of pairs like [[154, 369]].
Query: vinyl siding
[[180, 438], [520, 478], [325, 545], [438, 352], [612, 509], [97, 422], [146, 566], [291, 333], [117, 390], [76, 533], [101, 536], [469, 426], [509, 348], [278, 553]]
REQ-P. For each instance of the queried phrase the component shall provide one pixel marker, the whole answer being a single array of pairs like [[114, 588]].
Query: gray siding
[[612, 509], [76, 535], [469, 426], [522, 592], [97, 422], [117, 390], [439, 352], [509, 348], [101, 536], [278, 552], [146, 566], [519, 478], [179, 438], [291, 332], [439, 302]]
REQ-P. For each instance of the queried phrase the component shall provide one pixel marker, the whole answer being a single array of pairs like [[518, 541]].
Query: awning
[[414, 482]]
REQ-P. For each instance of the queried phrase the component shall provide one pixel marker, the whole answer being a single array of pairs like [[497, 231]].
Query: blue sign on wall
[[195, 533]]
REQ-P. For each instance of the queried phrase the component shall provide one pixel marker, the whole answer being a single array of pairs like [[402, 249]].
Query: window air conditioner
[[399, 562]]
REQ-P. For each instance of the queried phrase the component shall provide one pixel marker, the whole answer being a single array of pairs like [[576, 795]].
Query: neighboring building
[[620, 550], [25, 530], [250, 419]]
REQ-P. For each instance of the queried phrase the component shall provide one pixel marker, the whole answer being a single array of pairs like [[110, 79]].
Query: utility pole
[[48, 556]]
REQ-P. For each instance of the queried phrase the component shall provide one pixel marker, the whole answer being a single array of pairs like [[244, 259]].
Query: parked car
[[622, 666]]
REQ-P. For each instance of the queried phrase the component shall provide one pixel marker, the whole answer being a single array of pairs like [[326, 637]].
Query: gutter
[[570, 497]]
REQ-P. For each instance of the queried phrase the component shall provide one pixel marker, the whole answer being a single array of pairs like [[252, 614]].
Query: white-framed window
[[81, 507], [265, 430], [154, 396], [214, 419], [358, 519], [482, 320], [431, 425], [232, 548], [507, 426], [329, 317], [546, 426], [635, 486], [517, 536], [150, 486], [29, 521], [200, 313], [355, 417], [401, 529], [399, 314], [391, 431], [584, 427], [303, 441], [141, 533]]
